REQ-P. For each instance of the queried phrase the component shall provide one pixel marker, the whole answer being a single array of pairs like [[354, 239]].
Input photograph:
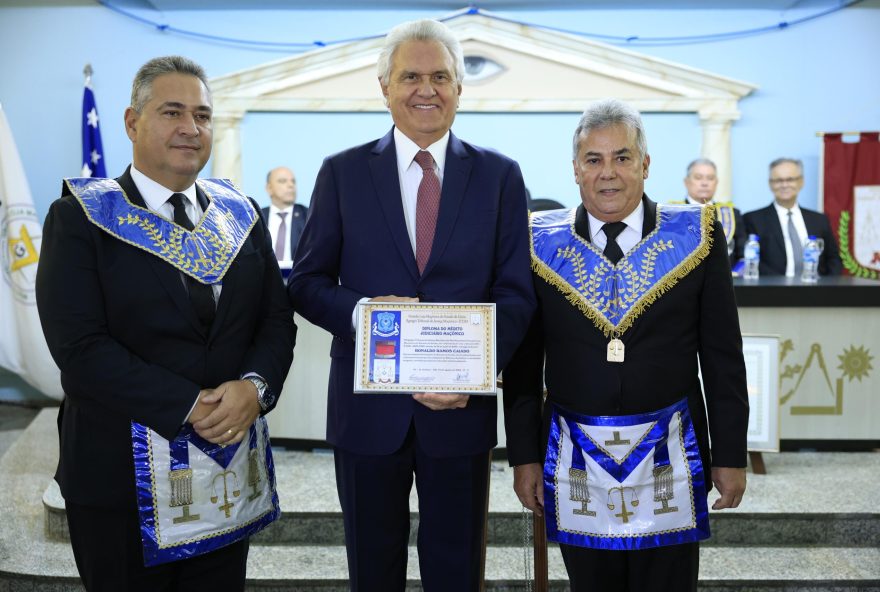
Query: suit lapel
[[812, 229], [386, 182], [169, 278], [778, 237], [456, 173], [650, 219]]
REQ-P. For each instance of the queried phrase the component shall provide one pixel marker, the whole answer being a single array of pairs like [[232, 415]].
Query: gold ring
[[230, 432]]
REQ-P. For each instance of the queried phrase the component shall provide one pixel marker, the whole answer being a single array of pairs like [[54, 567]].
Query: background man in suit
[[137, 340], [701, 181], [783, 226], [374, 230], [695, 317], [285, 218]]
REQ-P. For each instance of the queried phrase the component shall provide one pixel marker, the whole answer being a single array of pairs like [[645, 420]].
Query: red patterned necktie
[[427, 206], [282, 237]]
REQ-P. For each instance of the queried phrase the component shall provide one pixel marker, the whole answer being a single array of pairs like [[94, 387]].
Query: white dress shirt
[[274, 223], [798, 219], [410, 174], [626, 240], [156, 197]]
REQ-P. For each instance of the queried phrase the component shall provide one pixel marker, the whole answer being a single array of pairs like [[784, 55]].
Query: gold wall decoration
[[855, 362]]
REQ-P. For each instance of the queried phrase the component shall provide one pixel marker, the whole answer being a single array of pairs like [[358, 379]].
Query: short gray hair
[[142, 86], [699, 161], [606, 113], [799, 164], [421, 30]]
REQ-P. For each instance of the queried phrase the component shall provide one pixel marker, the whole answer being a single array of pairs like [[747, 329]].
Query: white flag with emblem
[[22, 344]]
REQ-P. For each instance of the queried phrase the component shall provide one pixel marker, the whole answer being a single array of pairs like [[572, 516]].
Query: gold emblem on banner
[[22, 250]]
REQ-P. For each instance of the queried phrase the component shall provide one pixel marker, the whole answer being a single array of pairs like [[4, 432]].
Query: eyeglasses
[[785, 181]]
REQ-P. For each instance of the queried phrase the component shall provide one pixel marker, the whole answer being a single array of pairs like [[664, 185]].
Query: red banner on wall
[[852, 200]]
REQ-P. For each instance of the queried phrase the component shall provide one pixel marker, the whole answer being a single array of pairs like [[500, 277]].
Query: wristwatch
[[265, 397]]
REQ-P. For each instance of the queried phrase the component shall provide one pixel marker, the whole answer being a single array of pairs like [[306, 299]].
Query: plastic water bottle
[[752, 255], [812, 250]]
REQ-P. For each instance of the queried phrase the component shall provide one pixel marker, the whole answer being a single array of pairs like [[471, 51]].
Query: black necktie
[[201, 295], [612, 249]]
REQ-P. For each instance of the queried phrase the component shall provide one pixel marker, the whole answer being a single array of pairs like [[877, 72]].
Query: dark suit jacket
[[765, 223], [356, 245], [297, 222], [125, 335], [697, 318]]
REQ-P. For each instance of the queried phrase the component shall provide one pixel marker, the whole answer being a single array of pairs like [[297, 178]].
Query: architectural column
[[227, 146], [716, 147]]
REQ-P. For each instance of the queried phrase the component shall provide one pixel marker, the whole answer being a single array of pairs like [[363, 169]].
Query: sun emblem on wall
[[856, 362]]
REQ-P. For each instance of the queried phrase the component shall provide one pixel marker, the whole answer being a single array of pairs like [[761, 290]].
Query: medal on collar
[[615, 350]]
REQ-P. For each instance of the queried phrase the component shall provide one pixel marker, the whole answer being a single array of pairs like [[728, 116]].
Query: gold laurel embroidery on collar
[[170, 249], [607, 453], [254, 217], [587, 291]]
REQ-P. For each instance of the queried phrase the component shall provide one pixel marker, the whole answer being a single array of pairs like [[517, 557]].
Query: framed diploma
[[403, 347], [761, 353]]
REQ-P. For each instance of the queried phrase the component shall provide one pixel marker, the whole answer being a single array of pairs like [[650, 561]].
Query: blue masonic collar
[[613, 296], [205, 253]]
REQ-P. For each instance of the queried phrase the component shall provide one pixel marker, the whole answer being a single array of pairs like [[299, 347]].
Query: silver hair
[[142, 86], [799, 164], [421, 30], [699, 161], [606, 113]]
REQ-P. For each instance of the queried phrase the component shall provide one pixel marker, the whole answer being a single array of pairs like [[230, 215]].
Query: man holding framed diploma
[[440, 225], [442, 348]]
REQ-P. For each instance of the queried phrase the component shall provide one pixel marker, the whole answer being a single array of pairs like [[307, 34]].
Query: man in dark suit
[[701, 181], [631, 295], [372, 234], [284, 217], [783, 220], [142, 333]]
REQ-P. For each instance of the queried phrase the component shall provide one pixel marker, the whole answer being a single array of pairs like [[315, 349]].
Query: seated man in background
[[701, 181], [285, 218], [783, 220]]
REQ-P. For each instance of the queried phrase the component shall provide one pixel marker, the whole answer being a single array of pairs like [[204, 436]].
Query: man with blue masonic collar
[[163, 306], [631, 295]]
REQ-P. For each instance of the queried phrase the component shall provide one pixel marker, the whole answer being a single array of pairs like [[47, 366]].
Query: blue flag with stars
[[93, 151]]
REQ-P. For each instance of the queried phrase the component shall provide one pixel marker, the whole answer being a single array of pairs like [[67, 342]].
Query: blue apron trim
[[646, 464], [177, 526]]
